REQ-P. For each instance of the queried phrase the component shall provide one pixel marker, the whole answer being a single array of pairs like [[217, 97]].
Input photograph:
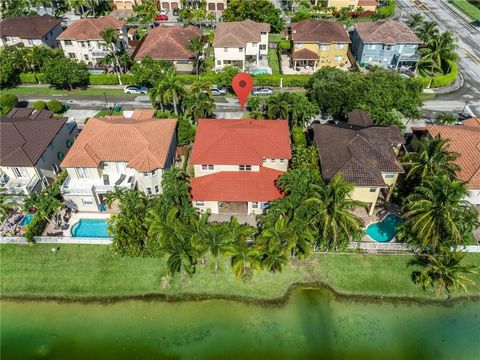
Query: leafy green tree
[[298, 136], [196, 46], [437, 216], [434, 57], [79, 5], [245, 259], [185, 131], [427, 31], [443, 271], [415, 21], [6, 205], [65, 73], [445, 118], [256, 10], [110, 38], [157, 95], [305, 157], [278, 106], [331, 207], [201, 84], [8, 75], [15, 8], [255, 107], [226, 75], [198, 105], [150, 72], [146, 12], [173, 89], [7, 103], [302, 110], [45, 203]]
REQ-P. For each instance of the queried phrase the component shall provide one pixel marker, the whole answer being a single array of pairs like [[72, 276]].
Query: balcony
[[407, 57], [97, 53], [21, 186], [108, 183]]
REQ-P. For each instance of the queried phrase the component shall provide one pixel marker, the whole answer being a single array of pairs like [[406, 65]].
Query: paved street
[[468, 39]]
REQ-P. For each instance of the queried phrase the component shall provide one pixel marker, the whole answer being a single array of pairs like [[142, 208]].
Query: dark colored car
[[175, 12]]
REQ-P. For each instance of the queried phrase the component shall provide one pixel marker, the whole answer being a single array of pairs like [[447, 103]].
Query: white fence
[[377, 246]]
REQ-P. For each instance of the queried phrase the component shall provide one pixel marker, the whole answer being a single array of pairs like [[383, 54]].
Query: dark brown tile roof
[[386, 32], [304, 54], [90, 29], [25, 134], [359, 118], [238, 33], [324, 32], [359, 155], [167, 43], [28, 27]]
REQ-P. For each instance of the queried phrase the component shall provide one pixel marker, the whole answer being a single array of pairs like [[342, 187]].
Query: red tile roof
[[90, 29], [28, 27], [324, 32], [143, 144], [238, 33], [386, 32], [465, 140], [167, 43], [304, 54], [240, 141], [237, 186]]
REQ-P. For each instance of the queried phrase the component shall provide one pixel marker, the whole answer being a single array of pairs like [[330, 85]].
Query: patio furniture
[[120, 180]]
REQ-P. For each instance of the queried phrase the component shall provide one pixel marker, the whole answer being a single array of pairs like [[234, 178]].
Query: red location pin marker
[[242, 84]]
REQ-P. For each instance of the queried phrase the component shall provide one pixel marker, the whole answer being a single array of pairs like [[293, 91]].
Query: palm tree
[[443, 271], [436, 213], [6, 205], [196, 46], [445, 118], [331, 207], [157, 94], [79, 4], [431, 158], [434, 57], [415, 21], [278, 106], [173, 88], [245, 258], [146, 11], [45, 203], [427, 31], [238, 233], [200, 84], [211, 17], [198, 105], [110, 37]]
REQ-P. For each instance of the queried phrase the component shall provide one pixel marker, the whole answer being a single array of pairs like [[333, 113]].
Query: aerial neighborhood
[[122, 125]]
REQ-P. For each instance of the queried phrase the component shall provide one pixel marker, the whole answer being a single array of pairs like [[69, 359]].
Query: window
[[324, 47], [272, 160], [263, 33], [199, 203], [146, 174], [389, 176], [255, 205], [82, 173], [71, 55], [340, 46], [240, 50], [85, 56], [254, 44], [68, 42], [20, 172], [387, 47], [154, 172], [219, 62], [56, 169], [30, 42], [60, 155], [338, 58], [157, 189], [245, 167], [371, 46], [9, 38], [208, 167], [149, 190], [82, 44], [263, 47], [225, 49], [282, 161], [373, 189], [87, 202]]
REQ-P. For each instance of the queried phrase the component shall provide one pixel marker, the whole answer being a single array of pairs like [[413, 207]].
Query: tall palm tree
[[173, 89], [201, 84], [278, 106], [415, 21], [443, 271], [238, 233], [212, 17], [6, 205], [244, 259], [431, 158], [331, 210], [79, 4], [437, 214], [196, 46], [198, 105], [157, 94], [427, 31], [110, 37], [434, 57]]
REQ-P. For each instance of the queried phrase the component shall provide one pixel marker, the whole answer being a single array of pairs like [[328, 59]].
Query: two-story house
[[240, 43], [236, 163], [464, 140], [32, 145], [366, 5], [30, 31], [130, 153], [319, 43], [364, 154], [169, 43], [386, 43], [216, 6], [83, 40]]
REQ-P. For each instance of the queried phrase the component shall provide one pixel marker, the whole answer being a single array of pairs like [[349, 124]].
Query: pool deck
[[380, 212], [73, 220]]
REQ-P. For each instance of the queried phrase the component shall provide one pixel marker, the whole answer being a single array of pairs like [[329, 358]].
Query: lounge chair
[[120, 180]]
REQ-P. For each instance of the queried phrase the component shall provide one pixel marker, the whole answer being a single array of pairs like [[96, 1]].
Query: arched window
[[60, 155], [69, 143]]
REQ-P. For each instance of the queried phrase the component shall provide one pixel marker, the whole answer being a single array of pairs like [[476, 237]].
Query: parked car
[[135, 89], [164, 12], [218, 90], [175, 12], [262, 91], [161, 18]]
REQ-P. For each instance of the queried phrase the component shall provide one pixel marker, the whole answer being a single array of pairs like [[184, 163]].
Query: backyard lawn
[[39, 90], [273, 61], [94, 271]]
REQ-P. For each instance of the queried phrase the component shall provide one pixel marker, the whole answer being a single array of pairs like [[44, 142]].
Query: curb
[[446, 90]]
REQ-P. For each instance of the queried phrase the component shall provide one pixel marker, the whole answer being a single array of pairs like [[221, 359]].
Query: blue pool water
[[90, 228], [259, 72], [27, 219], [385, 230]]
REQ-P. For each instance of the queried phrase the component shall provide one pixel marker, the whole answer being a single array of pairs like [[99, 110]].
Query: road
[[468, 40]]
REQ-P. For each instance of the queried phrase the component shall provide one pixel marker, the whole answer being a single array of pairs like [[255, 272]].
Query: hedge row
[[128, 79], [442, 80]]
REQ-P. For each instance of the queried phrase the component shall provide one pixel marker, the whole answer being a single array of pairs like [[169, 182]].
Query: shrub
[[39, 105], [55, 106], [441, 80], [159, 114], [285, 44], [298, 136], [287, 80], [103, 79], [41, 78], [7, 103], [127, 79], [385, 11], [35, 228], [28, 78]]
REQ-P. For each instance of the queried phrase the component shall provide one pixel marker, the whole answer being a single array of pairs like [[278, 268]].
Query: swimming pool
[[27, 219], [259, 72], [90, 228], [385, 230]]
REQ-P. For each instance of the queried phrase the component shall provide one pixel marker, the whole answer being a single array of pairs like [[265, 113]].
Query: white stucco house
[[30, 31]]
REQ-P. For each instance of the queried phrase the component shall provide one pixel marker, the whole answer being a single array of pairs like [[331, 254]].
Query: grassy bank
[[39, 91], [467, 8], [90, 270]]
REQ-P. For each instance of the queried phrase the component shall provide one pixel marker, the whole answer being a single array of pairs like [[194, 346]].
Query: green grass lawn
[[273, 61], [275, 38], [93, 270], [467, 8], [39, 91]]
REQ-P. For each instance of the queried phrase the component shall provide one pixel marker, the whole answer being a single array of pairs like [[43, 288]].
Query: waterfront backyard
[[89, 271]]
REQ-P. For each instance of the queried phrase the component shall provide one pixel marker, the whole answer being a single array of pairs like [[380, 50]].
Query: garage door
[[220, 6], [165, 5], [211, 6], [174, 5]]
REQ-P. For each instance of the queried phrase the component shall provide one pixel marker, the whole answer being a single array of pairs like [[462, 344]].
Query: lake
[[312, 324]]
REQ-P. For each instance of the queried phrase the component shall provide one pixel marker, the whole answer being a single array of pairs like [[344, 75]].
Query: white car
[[134, 89], [262, 91]]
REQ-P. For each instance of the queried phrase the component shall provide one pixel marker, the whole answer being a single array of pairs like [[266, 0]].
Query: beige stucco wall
[[363, 194], [79, 202], [217, 168], [348, 3], [208, 205], [276, 164], [50, 39], [326, 57]]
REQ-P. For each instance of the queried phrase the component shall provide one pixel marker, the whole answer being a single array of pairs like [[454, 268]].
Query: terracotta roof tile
[[304, 54], [240, 141], [143, 144], [386, 32], [142, 114], [90, 29], [238, 33], [324, 32], [28, 27], [237, 186], [465, 140], [167, 43]]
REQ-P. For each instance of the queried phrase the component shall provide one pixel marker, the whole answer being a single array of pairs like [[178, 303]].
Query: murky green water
[[312, 325]]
